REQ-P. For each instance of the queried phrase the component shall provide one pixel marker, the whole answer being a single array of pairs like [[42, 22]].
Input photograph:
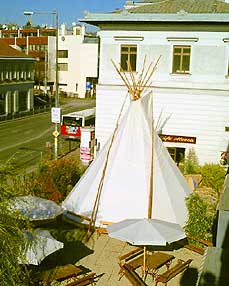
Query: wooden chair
[[102, 229], [195, 248], [127, 257], [130, 255], [198, 248], [172, 272], [132, 276], [86, 279]]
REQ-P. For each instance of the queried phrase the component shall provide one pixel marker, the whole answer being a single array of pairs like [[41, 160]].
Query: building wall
[[82, 56], [16, 86], [51, 66], [82, 62], [194, 104]]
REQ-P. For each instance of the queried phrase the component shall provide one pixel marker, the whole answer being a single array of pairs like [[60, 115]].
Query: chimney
[[63, 29]]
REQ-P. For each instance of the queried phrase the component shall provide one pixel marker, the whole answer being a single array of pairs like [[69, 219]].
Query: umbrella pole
[[150, 202], [144, 263]]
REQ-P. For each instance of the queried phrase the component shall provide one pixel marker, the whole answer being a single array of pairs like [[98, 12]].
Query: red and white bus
[[72, 122]]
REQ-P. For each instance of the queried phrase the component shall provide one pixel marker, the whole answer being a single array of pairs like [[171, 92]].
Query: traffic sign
[[55, 133], [56, 114]]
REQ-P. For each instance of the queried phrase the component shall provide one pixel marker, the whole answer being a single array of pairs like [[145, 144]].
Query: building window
[[62, 67], [128, 58], [62, 53], [177, 154], [23, 100], [181, 59], [2, 103]]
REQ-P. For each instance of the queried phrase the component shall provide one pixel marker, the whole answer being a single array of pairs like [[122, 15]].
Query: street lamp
[[57, 120]]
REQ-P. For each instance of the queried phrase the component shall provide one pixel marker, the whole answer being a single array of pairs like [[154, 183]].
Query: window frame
[[128, 53], [62, 54], [182, 71], [62, 67]]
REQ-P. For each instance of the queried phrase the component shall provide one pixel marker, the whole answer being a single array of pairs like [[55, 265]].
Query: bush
[[57, 178], [11, 235], [213, 177], [201, 217]]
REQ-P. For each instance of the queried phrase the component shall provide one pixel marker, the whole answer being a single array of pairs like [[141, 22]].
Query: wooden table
[[60, 273], [154, 261]]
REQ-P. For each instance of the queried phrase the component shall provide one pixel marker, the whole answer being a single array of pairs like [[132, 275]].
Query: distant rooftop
[[215, 11], [8, 52], [174, 6]]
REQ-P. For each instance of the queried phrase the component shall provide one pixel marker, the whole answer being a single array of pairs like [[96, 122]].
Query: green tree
[[11, 236], [28, 25], [213, 177], [191, 165], [39, 72], [201, 217]]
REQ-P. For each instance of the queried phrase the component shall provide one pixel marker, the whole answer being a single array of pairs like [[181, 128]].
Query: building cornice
[[180, 17]]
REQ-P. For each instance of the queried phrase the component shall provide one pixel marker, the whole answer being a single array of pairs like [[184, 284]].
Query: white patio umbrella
[[39, 244], [36, 208], [146, 232]]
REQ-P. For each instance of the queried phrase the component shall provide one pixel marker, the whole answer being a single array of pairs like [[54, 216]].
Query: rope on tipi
[[135, 90]]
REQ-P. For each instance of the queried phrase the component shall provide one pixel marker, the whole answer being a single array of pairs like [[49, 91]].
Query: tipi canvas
[[127, 177]]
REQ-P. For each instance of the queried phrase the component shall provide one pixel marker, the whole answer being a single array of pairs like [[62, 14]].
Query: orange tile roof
[[38, 40], [9, 52], [23, 41]]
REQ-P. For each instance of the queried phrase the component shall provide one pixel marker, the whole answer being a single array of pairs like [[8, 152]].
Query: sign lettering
[[177, 139]]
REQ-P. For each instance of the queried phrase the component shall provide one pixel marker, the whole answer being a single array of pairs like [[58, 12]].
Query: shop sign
[[177, 139]]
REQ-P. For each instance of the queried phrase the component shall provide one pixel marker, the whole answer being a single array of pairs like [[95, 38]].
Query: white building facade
[[191, 84], [77, 61]]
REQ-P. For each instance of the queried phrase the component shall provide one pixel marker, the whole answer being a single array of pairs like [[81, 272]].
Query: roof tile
[[174, 6], [7, 51]]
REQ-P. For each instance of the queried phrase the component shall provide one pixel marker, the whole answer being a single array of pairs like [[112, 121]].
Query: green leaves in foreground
[[201, 217], [11, 236], [11, 243]]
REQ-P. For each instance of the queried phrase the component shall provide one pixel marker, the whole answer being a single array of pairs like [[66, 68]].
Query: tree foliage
[[191, 164], [11, 235], [213, 177], [201, 217], [54, 180], [203, 203]]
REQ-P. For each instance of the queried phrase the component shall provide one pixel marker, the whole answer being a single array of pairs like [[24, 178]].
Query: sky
[[69, 11]]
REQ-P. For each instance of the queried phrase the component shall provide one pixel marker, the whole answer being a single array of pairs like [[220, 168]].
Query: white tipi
[[117, 184]]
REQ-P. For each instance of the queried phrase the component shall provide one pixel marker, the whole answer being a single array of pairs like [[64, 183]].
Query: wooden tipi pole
[[151, 183], [98, 195]]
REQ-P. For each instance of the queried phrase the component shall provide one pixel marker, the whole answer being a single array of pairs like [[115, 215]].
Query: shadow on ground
[[189, 277], [74, 247]]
